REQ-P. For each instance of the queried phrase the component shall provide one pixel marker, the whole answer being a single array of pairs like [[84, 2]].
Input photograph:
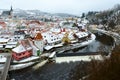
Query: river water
[[61, 71]]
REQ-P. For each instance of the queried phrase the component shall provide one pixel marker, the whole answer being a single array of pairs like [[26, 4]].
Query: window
[[23, 53], [19, 54]]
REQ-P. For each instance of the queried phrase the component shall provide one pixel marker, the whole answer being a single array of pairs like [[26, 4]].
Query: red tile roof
[[38, 36], [3, 24]]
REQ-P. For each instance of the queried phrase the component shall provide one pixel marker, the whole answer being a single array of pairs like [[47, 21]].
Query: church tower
[[11, 12]]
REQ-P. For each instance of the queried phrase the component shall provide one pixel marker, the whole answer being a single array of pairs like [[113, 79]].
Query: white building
[[51, 38]]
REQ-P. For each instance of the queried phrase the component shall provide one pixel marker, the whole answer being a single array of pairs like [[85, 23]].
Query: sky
[[60, 6]]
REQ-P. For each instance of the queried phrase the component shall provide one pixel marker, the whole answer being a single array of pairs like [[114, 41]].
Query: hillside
[[105, 17]]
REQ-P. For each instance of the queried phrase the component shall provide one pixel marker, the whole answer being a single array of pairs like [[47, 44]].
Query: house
[[23, 50], [51, 38], [18, 35], [3, 41]]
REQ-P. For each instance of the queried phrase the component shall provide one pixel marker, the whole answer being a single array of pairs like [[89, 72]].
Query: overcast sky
[[60, 6]]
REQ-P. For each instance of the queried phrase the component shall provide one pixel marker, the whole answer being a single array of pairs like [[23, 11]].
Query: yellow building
[[65, 38]]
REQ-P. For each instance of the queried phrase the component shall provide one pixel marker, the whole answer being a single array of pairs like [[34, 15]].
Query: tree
[[108, 69], [116, 7], [111, 24]]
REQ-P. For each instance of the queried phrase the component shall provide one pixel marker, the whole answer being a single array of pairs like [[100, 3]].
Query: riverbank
[[114, 33], [108, 69], [50, 71], [59, 71]]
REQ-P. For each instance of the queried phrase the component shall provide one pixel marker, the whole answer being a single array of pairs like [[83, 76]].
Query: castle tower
[[38, 41]]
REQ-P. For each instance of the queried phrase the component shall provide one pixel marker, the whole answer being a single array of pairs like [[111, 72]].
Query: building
[[51, 38], [7, 14], [23, 50], [18, 35]]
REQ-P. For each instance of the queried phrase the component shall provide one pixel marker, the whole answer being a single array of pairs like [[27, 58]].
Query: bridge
[[4, 71]]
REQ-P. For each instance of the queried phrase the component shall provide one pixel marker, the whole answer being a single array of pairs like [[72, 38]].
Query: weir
[[78, 58], [73, 57]]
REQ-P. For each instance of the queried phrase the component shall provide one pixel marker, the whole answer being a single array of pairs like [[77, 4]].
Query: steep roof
[[6, 13], [20, 49], [11, 9], [38, 36]]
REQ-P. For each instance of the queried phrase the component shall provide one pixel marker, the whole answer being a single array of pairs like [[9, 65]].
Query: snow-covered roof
[[82, 34], [1, 46], [3, 40], [12, 43], [13, 24], [80, 24], [1, 27], [20, 49], [55, 30], [9, 46], [51, 38]]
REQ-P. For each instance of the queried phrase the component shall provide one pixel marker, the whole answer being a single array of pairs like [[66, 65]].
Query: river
[[61, 71]]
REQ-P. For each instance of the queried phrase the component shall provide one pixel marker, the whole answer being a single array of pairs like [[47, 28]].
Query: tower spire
[[11, 8]]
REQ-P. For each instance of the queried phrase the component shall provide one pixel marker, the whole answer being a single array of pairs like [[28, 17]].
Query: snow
[[48, 47], [3, 40], [20, 49]]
